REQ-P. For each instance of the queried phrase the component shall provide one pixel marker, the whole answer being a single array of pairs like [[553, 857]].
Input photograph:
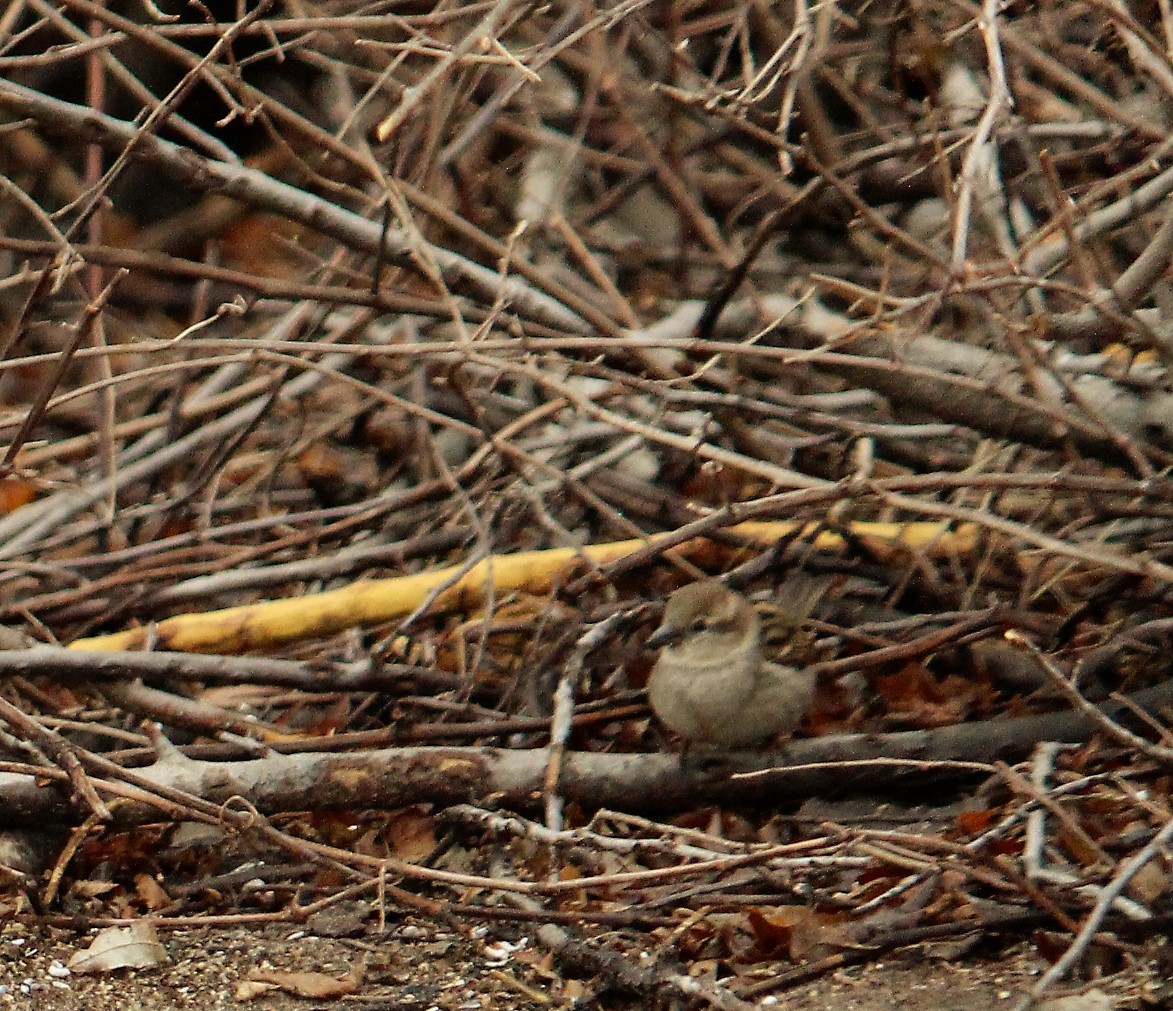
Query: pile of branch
[[368, 379]]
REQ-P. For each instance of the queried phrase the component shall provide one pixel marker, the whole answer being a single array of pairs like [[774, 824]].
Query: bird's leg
[[701, 759]]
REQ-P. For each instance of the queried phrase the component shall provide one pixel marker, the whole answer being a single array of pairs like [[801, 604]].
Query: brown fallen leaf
[[250, 990], [151, 892], [133, 947], [317, 985], [802, 933]]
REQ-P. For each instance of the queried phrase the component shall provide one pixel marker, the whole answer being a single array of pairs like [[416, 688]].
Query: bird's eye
[[699, 625]]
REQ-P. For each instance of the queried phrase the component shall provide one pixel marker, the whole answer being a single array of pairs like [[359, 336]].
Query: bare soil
[[416, 965]]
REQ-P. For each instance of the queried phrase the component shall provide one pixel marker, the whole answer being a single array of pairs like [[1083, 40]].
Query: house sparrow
[[711, 684]]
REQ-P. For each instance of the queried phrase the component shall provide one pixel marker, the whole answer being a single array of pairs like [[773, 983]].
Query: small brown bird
[[711, 684]]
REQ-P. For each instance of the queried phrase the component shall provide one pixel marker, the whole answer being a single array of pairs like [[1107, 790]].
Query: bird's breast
[[702, 699]]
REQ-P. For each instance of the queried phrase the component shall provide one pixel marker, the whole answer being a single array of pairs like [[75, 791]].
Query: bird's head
[[705, 618]]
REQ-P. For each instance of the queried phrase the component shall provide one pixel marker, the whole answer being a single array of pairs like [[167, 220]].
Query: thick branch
[[396, 777]]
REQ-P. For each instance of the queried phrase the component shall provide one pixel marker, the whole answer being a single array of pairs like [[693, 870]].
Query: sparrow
[[711, 684]]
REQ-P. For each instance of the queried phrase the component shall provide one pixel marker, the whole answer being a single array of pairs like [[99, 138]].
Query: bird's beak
[[663, 636]]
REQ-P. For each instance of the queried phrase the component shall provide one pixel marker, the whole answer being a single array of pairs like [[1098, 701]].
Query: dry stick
[[162, 373], [1138, 564], [1081, 264], [770, 505], [56, 510], [1093, 663], [488, 112], [1139, 48], [204, 545], [22, 529], [589, 318], [1091, 322], [971, 629], [275, 288], [707, 843], [483, 541], [1042, 901], [65, 449], [796, 72], [1124, 441], [60, 53], [1120, 734], [560, 726], [579, 719], [561, 722], [953, 137], [686, 203], [60, 751], [160, 112], [875, 357], [151, 40], [979, 167], [851, 490], [351, 557], [94, 216], [357, 740], [128, 787], [1039, 794], [524, 463], [782, 476], [514, 826], [1110, 188], [1041, 765], [924, 253], [982, 841], [297, 913], [1139, 200], [364, 25], [1071, 81], [38, 292], [66, 260], [262, 191], [76, 838], [1096, 917], [717, 865], [581, 252], [358, 555], [490, 26], [36, 408], [192, 714], [979, 404]]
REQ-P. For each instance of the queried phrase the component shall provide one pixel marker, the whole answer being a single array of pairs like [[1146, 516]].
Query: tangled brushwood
[[372, 373]]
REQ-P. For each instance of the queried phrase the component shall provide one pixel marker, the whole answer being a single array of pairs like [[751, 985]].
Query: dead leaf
[[251, 990], [133, 947], [918, 699], [339, 474], [1148, 884], [89, 889], [151, 892], [315, 985], [411, 834], [801, 932], [14, 493], [974, 822]]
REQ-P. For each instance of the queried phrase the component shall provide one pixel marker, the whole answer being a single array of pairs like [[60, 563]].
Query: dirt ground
[[416, 966]]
